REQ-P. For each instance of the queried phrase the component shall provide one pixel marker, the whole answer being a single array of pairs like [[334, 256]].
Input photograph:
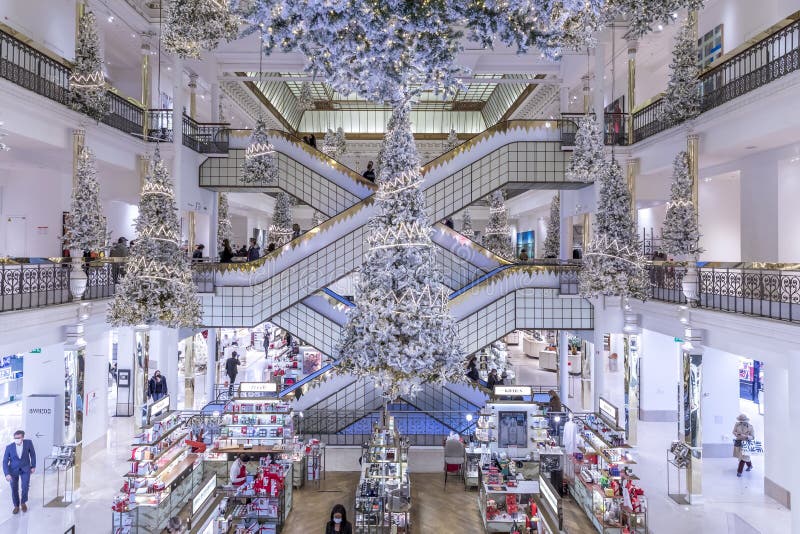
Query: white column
[[563, 365], [598, 100], [164, 357], [777, 444], [598, 363], [211, 248], [178, 103], [792, 434], [215, 102], [211, 369]]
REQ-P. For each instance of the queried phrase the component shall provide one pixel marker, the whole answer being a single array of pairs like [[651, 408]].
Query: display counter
[[532, 346], [548, 360]]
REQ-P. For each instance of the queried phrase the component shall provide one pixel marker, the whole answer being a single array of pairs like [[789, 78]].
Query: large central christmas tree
[[497, 235], [401, 334], [157, 288]]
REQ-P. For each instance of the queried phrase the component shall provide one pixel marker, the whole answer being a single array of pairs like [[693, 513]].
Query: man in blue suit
[[19, 463]]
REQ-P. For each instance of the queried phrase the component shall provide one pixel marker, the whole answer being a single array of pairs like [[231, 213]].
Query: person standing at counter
[[338, 523], [238, 474]]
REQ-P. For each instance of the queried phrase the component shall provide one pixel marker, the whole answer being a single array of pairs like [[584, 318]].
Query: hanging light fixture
[[196, 25], [260, 162]]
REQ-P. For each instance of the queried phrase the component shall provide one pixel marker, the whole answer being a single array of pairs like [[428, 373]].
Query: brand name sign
[[258, 387], [512, 391]]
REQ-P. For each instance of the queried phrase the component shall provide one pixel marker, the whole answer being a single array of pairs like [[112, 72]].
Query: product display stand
[[678, 463], [261, 505], [62, 462], [383, 496]]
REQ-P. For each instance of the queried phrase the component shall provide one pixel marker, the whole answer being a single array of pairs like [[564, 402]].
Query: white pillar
[[598, 100], [215, 102], [211, 248], [598, 362], [777, 444], [164, 357], [211, 369], [563, 365], [793, 434], [564, 98]]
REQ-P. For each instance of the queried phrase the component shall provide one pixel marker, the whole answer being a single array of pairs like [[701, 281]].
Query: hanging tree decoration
[[682, 97], [260, 160], [224, 226], [552, 243], [680, 234], [466, 225], [196, 25], [157, 288], [452, 140], [87, 85], [305, 101], [280, 231], [613, 263], [400, 334], [497, 235], [588, 157]]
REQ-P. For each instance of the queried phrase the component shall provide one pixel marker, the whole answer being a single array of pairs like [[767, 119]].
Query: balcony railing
[[771, 293], [33, 70], [770, 58], [159, 125], [46, 283], [206, 138], [123, 114], [614, 128]]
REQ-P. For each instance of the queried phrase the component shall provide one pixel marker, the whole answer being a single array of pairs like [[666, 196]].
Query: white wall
[[742, 19], [777, 444], [44, 22], [720, 404], [722, 225], [658, 376], [788, 212], [121, 218], [651, 219], [43, 374]]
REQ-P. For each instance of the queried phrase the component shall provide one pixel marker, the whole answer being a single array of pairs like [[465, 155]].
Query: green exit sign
[[678, 340], [36, 351]]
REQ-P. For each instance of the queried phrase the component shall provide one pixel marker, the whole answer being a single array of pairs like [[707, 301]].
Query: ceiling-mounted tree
[[196, 25]]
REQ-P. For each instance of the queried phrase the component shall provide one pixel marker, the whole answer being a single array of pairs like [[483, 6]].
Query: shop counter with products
[[505, 504]]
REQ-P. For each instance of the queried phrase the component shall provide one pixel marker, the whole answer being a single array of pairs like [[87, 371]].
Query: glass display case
[[505, 504], [263, 503], [249, 422]]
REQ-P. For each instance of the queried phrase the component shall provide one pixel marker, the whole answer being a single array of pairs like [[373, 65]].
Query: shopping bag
[[752, 446]]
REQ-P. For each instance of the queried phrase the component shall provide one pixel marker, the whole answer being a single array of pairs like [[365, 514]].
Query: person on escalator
[[472, 370], [449, 223], [226, 255], [253, 253], [312, 141], [369, 174]]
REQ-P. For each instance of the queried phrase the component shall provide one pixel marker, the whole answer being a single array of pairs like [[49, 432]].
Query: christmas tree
[[85, 225], [497, 235], [305, 101], [452, 140], [157, 288], [317, 219], [224, 226], [280, 231], [552, 243], [334, 144], [613, 263], [680, 234], [400, 334], [466, 225], [87, 85], [341, 141], [196, 25], [260, 161], [588, 157], [682, 98]]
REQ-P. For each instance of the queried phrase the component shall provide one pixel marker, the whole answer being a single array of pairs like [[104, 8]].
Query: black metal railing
[[206, 138], [771, 58], [770, 293], [35, 285], [27, 67], [615, 127], [159, 125], [123, 114]]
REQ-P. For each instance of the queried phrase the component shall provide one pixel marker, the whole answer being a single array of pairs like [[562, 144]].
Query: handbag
[[737, 443]]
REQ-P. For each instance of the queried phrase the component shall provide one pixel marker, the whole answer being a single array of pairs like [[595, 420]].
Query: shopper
[[493, 379], [232, 369], [19, 463], [253, 252], [472, 370], [226, 255], [295, 231], [270, 248], [523, 256], [742, 431], [339, 523], [238, 473], [198, 252], [312, 140], [555, 402], [120, 250], [369, 174], [449, 223], [157, 386]]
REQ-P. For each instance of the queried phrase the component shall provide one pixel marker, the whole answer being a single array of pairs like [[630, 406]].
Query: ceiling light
[[660, 27], [111, 18]]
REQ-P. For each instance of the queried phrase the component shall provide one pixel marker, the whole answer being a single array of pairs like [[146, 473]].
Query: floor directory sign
[[40, 422]]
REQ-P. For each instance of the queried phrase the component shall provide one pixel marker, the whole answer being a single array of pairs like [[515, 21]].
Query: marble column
[[563, 365], [215, 103], [211, 369], [693, 149], [193, 95], [632, 171], [633, 46], [146, 81], [598, 97]]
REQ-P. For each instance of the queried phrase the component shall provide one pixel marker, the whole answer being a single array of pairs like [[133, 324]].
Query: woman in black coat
[[226, 254], [339, 523]]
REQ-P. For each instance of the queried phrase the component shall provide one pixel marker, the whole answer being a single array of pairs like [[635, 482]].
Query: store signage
[[36, 351], [124, 378], [608, 411], [40, 421], [258, 387], [204, 494], [158, 407], [548, 495], [512, 391]]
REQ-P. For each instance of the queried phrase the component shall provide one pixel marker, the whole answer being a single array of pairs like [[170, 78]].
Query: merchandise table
[[503, 521]]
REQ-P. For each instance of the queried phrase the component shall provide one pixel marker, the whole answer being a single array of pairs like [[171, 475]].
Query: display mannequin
[[570, 436]]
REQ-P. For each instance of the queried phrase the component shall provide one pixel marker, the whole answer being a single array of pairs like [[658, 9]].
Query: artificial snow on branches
[[682, 97], [305, 102], [196, 25], [87, 85], [588, 156], [224, 226], [85, 224], [260, 161], [400, 334], [641, 15], [452, 140], [552, 243], [466, 225], [317, 218], [497, 235], [613, 263], [680, 234], [157, 288], [334, 144], [280, 231]]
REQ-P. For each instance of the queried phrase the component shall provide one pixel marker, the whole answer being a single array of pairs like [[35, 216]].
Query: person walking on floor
[[19, 463], [157, 386], [742, 431], [232, 369], [338, 523]]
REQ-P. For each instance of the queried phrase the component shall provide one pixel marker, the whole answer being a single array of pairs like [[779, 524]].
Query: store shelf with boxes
[[601, 478], [383, 496], [495, 356]]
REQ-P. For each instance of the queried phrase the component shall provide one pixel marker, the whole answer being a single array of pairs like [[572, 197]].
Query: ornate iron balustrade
[[159, 125], [35, 285], [123, 115], [615, 127], [766, 60], [206, 138], [770, 293], [27, 67]]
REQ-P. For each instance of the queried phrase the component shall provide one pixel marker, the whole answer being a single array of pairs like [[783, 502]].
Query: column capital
[[633, 47], [193, 80]]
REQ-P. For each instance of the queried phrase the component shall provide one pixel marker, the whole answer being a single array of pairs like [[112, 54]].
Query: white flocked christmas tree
[[85, 224], [680, 234], [280, 231], [452, 140], [305, 101], [260, 160], [196, 25], [334, 144], [400, 334], [86, 82], [613, 263], [588, 157], [552, 243], [682, 97], [317, 218], [466, 225], [497, 234], [224, 226], [157, 288]]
